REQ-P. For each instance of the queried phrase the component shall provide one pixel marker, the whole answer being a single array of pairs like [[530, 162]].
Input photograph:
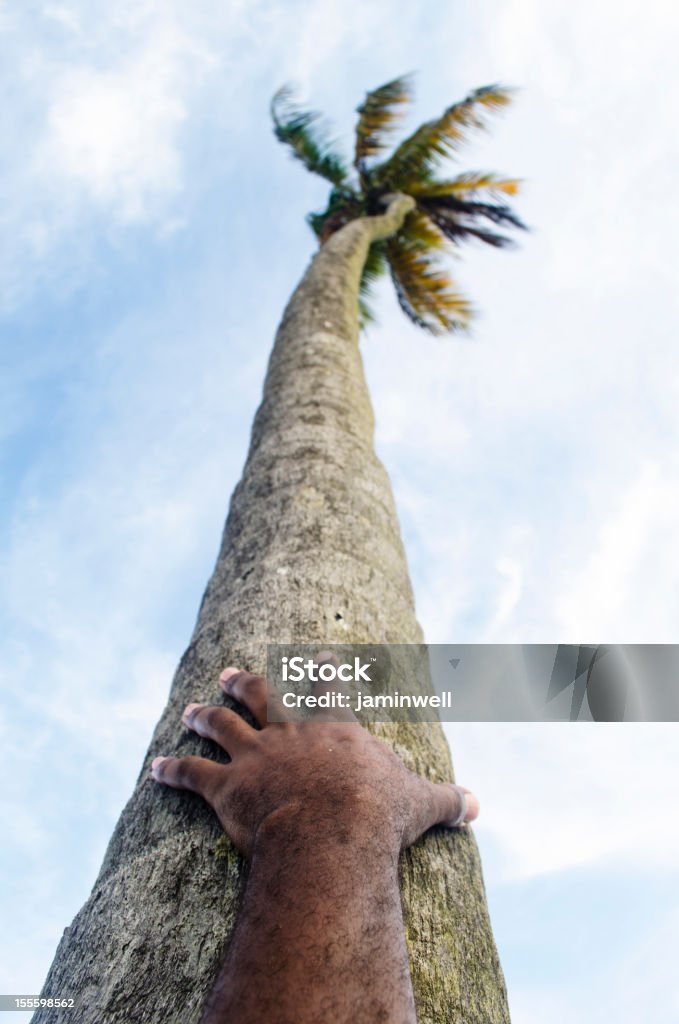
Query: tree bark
[[311, 552]]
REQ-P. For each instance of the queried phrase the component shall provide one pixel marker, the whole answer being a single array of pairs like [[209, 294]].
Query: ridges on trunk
[[311, 552]]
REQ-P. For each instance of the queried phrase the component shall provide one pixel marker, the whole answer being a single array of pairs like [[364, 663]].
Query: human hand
[[320, 777]]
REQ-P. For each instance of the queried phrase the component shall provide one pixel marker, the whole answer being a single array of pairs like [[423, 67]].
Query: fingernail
[[473, 807], [156, 762], [227, 673], [469, 807], [188, 711]]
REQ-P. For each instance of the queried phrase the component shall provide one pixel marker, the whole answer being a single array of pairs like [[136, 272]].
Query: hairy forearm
[[320, 935]]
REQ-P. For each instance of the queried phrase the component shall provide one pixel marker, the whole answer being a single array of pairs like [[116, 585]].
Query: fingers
[[195, 773], [253, 693], [221, 725], [443, 804], [248, 690], [455, 805]]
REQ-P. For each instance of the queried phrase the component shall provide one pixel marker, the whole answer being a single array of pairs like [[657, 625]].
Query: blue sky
[[152, 230]]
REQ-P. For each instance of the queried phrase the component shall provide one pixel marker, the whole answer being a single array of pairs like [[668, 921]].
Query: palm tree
[[445, 210], [311, 552]]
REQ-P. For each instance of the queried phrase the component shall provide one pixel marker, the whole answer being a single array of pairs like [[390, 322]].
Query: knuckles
[[180, 770], [249, 686], [207, 719]]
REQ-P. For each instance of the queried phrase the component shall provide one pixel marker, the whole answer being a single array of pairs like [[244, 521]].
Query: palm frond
[[374, 267], [462, 219], [418, 156], [378, 115], [300, 129], [419, 229], [467, 184], [424, 289]]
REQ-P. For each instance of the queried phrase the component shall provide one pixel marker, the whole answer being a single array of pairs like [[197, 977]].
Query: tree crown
[[448, 211]]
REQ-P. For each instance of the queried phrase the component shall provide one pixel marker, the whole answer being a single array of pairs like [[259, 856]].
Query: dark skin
[[322, 809]]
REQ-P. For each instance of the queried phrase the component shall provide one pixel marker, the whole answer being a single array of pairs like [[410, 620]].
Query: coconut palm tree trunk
[[311, 552]]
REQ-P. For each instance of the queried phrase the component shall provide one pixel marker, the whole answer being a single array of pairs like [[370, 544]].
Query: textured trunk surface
[[311, 552]]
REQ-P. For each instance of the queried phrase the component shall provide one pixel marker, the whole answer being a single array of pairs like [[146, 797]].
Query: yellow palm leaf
[[465, 185], [378, 115], [418, 155], [425, 290]]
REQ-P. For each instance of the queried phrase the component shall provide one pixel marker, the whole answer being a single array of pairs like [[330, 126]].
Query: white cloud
[[64, 15], [636, 553], [96, 144], [556, 796], [115, 133]]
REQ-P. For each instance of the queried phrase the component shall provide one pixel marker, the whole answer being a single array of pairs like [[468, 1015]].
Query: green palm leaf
[[417, 157], [378, 114], [300, 130]]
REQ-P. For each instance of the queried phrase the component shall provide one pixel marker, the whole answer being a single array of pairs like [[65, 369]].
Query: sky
[[152, 229]]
